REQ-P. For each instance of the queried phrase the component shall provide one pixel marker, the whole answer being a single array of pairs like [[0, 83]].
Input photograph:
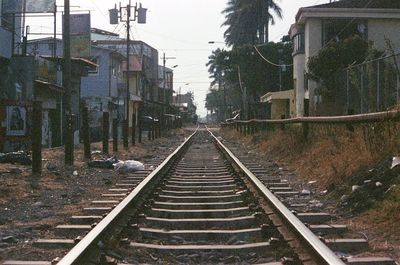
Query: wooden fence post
[[282, 124], [115, 135], [37, 138], [106, 132], [140, 130], [306, 126], [85, 130], [69, 141], [125, 133], [134, 128]]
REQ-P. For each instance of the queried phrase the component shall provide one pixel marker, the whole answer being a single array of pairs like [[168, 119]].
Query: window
[[18, 91], [95, 71], [298, 43], [340, 29]]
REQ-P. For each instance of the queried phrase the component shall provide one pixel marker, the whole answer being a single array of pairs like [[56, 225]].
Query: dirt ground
[[30, 206], [337, 163]]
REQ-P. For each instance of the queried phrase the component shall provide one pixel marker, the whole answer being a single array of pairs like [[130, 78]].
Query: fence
[[254, 126], [372, 86]]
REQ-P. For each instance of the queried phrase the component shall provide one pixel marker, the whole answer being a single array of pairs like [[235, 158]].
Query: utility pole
[[68, 136], [164, 88], [115, 15], [128, 43]]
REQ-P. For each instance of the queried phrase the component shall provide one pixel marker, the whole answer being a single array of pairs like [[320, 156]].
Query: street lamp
[[213, 42]]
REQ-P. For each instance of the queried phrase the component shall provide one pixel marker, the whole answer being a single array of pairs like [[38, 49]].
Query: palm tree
[[248, 21]]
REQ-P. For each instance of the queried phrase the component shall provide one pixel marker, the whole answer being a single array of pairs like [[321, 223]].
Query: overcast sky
[[181, 29]]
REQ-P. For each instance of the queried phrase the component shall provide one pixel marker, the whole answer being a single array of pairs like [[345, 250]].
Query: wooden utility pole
[[106, 131], [85, 130], [68, 133], [37, 138], [115, 135]]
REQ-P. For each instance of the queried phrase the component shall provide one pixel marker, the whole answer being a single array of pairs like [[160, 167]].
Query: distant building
[[143, 74], [316, 25], [187, 108]]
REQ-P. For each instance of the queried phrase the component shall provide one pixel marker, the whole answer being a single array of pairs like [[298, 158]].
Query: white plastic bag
[[128, 166]]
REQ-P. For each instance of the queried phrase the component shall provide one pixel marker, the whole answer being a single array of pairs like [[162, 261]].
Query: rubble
[[19, 157]]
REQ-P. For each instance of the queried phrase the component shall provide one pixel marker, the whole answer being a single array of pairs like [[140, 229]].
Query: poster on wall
[[16, 121]]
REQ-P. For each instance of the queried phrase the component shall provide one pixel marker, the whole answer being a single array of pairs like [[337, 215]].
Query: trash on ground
[[395, 162], [128, 166], [103, 163], [19, 157]]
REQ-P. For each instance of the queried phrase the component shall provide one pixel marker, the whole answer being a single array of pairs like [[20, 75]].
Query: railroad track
[[200, 206]]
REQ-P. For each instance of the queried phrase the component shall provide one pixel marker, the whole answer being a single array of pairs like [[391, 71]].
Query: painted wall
[[5, 43], [298, 79], [378, 29], [313, 43]]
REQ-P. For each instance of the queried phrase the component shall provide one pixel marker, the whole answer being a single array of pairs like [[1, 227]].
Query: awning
[[82, 61], [50, 86]]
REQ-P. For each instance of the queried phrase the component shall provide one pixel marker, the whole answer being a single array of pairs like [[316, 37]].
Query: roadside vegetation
[[351, 165]]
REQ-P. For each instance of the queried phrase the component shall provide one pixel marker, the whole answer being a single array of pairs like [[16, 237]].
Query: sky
[[180, 29]]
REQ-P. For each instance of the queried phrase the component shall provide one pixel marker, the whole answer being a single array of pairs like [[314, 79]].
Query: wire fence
[[372, 86]]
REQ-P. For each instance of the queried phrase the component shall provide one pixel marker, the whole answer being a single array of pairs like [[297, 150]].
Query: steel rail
[[315, 244], [359, 118], [82, 247]]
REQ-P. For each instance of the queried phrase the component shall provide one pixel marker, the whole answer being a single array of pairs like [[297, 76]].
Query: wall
[[5, 47], [313, 43], [97, 85], [378, 29], [298, 78]]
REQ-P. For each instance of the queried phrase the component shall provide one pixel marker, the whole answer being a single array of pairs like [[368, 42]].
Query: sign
[[16, 121], [46, 70], [31, 6], [80, 23], [135, 64], [80, 45], [80, 35]]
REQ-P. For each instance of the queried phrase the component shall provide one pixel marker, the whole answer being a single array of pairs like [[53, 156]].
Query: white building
[[316, 25]]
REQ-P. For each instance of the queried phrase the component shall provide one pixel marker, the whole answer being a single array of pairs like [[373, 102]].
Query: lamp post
[[139, 14]]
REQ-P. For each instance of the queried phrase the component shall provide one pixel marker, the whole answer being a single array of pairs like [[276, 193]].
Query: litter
[[103, 163], [395, 162], [128, 166]]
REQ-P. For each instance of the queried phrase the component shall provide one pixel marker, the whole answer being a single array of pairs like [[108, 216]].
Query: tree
[[248, 21], [336, 56], [257, 76]]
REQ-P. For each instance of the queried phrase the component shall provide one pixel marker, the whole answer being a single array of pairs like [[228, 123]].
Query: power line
[[268, 61]]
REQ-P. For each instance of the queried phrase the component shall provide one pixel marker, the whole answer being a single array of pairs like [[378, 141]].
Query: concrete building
[[281, 103], [316, 26], [187, 108], [143, 73], [48, 69]]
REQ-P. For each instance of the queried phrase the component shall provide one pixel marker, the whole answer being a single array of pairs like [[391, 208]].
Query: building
[[281, 103], [143, 74], [187, 108], [52, 50], [102, 88], [165, 87], [316, 26]]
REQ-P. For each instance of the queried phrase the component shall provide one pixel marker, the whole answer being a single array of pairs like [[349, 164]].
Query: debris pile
[[371, 186], [20, 157]]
